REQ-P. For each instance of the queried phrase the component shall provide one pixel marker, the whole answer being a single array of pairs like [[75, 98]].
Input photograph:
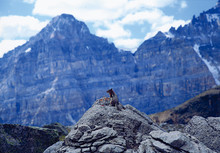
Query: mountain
[[58, 73], [205, 105], [54, 76], [104, 129]]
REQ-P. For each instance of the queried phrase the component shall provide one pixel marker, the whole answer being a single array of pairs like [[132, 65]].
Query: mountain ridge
[[58, 73], [205, 105]]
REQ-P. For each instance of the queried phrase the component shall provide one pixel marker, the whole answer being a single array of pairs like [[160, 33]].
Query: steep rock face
[[58, 73], [17, 138], [180, 63], [54, 76], [206, 105], [104, 129], [205, 130]]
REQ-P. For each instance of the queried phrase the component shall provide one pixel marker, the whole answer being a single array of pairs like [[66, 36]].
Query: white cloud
[[85, 10], [136, 4], [29, 1], [127, 44], [151, 16], [110, 19], [7, 45], [19, 27], [183, 4], [114, 31], [96, 10]]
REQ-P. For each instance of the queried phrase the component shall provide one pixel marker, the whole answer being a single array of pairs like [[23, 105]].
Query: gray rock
[[161, 147], [108, 130], [76, 135], [98, 143], [86, 150], [54, 147], [146, 146], [175, 138], [110, 148], [93, 149], [118, 141], [205, 130], [69, 150], [177, 142]]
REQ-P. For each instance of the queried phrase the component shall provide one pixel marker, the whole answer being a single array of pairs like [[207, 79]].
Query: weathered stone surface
[[205, 130], [106, 129], [177, 141], [139, 134], [110, 148], [54, 147], [161, 147], [175, 138], [98, 143]]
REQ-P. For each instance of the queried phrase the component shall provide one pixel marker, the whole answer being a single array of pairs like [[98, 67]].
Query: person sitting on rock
[[113, 99]]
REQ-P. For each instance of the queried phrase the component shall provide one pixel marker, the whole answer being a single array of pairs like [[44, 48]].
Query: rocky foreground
[[23, 139], [104, 129]]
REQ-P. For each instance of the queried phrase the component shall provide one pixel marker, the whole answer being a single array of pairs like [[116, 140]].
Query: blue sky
[[127, 23]]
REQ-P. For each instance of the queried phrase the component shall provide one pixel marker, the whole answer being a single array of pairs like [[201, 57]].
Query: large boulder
[[205, 130], [175, 141], [104, 129]]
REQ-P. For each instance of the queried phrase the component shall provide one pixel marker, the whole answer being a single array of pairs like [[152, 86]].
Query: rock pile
[[104, 129]]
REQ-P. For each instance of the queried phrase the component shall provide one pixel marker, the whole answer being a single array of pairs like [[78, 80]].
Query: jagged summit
[[59, 22], [63, 27]]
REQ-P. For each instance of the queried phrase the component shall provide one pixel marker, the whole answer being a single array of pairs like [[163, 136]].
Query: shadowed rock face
[[104, 129], [17, 138], [57, 74], [205, 130]]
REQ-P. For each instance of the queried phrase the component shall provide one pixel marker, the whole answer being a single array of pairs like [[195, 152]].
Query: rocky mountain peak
[[63, 27], [66, 20]]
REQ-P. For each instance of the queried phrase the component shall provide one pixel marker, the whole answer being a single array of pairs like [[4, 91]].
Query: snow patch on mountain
[[214, 70], [27, 50], [46, 92], [169, 35], [212, 17]]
